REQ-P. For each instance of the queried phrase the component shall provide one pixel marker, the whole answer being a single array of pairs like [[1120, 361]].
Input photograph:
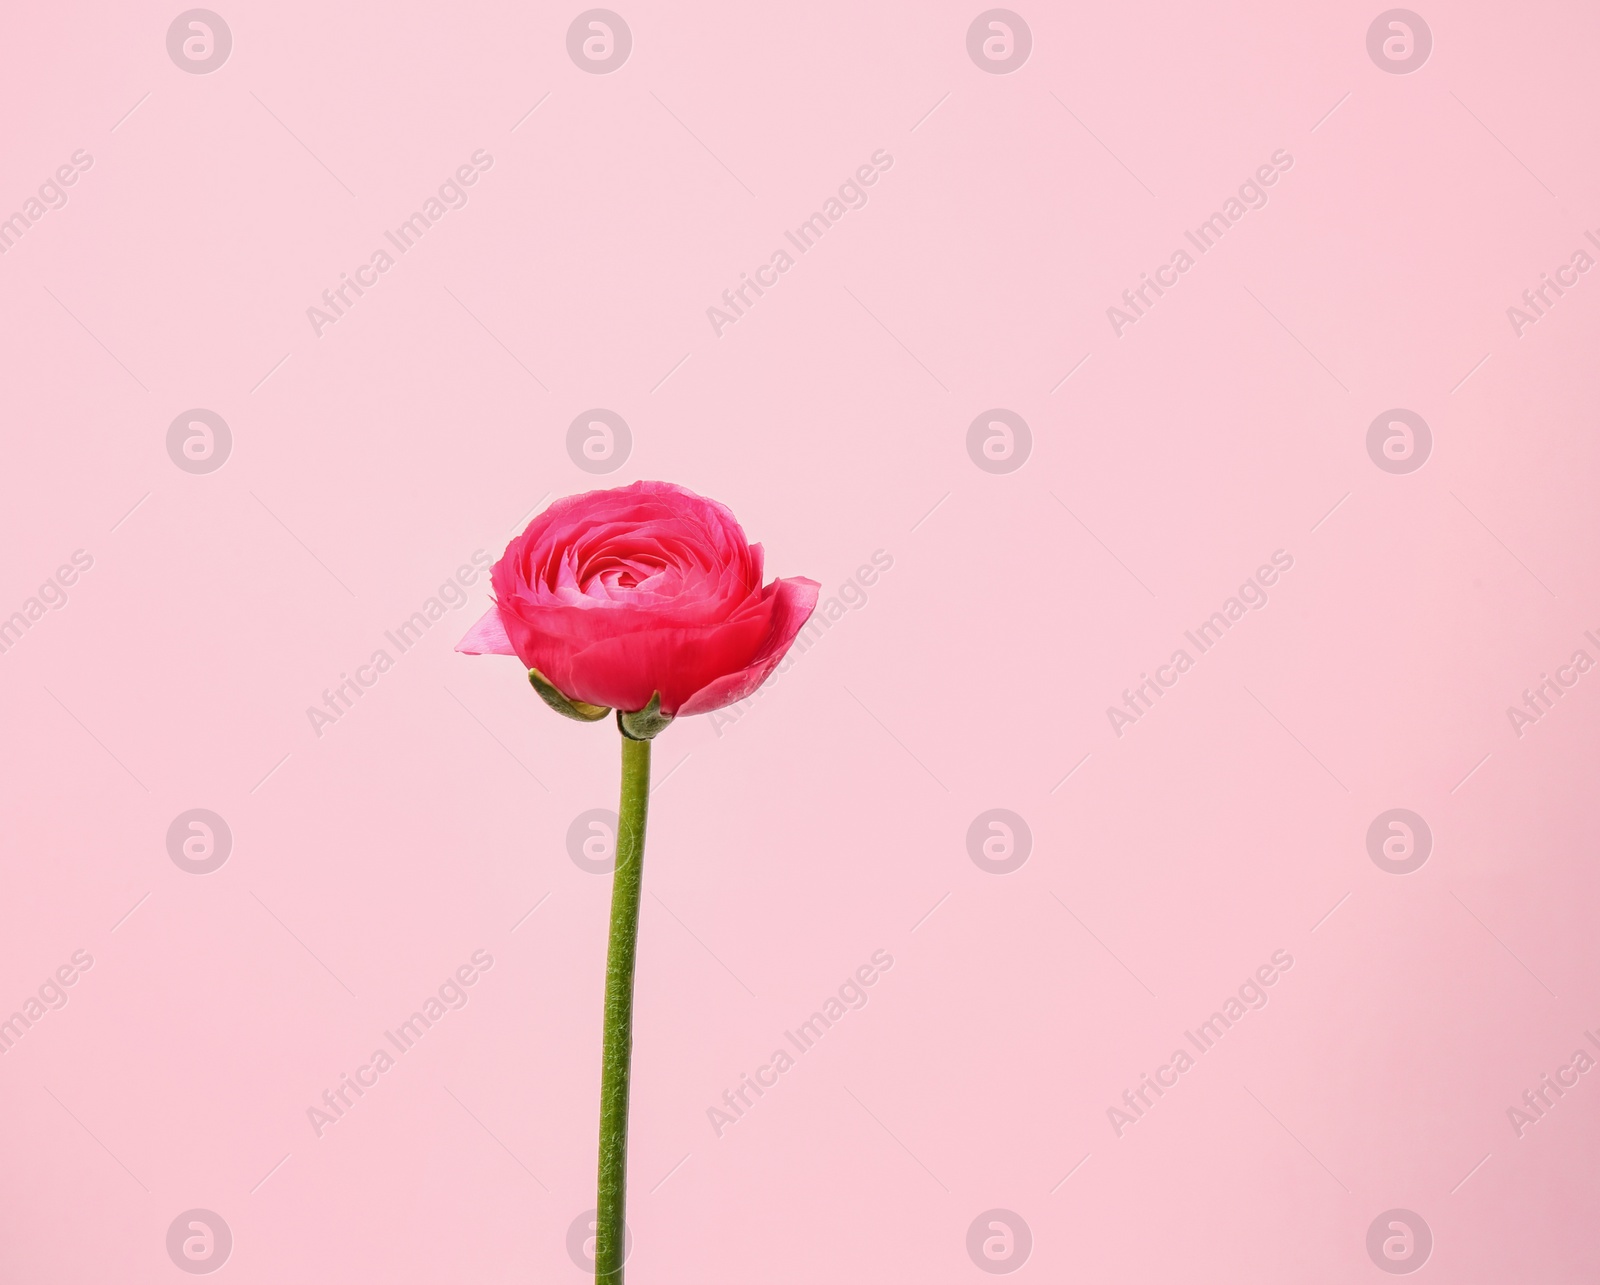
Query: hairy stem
[[626, 883]]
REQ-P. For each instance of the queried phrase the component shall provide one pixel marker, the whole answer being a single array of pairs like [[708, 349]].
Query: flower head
[[615, 597]]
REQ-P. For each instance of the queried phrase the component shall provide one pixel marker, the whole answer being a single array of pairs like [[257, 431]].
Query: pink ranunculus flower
[[616, 595]]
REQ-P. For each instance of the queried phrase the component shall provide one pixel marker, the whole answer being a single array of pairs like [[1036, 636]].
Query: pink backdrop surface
[[1341, 427]]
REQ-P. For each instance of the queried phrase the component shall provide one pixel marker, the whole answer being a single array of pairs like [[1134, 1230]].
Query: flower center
[[612, 571]]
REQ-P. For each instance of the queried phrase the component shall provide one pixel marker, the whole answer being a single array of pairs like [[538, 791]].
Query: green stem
[[626, 883]]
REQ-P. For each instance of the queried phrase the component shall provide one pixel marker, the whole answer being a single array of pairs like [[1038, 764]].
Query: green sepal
[[644, 724], [580, 710]]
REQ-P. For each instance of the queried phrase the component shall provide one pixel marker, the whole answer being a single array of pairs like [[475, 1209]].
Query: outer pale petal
[[796, 599], [488, 637]]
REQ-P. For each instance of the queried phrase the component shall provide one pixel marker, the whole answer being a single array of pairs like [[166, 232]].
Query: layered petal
[[796, 599], [675, 660]]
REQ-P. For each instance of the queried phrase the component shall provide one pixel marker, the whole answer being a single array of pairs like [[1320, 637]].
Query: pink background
[[830, 821]]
